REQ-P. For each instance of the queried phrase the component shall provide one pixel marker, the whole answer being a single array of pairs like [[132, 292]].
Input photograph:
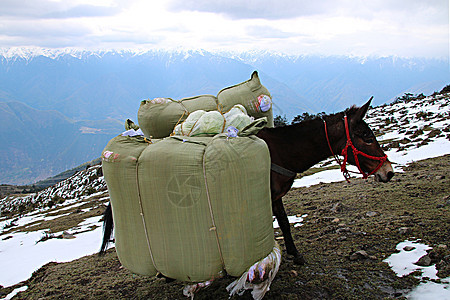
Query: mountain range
[[60, 107]]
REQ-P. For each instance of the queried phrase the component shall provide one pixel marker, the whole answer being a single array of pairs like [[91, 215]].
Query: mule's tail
[[108, 226]]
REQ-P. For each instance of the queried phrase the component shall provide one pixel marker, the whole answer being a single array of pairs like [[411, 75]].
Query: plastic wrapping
[[259, 276], [160, 100], [186, 127], [201, 123], [237, 117], [209, 124]]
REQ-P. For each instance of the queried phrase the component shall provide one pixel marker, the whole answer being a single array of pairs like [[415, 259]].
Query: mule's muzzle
[[385, 173], [390, 175]]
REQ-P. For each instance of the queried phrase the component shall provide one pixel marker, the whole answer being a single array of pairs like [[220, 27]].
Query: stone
[[424, 261], [293, 273], [343, 230], [361, 254], [442, 246], [66, 235], [371, 213], [409, 248], [403, 230]]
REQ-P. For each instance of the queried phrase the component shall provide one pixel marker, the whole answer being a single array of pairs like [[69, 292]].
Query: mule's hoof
[[166, 279], [169, 280], [299, 260]]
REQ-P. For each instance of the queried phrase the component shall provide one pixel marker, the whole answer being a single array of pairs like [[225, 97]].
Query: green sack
[[158, 117], [119, 163], [252, 95], [190, 207]]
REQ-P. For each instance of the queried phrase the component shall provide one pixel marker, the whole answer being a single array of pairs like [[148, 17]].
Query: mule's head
[[366, 144]]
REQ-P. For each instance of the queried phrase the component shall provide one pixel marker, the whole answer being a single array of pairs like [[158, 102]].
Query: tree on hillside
[[305, 117], [279, 121], [446, 89]]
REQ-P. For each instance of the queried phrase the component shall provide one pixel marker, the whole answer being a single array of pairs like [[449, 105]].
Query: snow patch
[[296, 220], [402, 264], [15, 292]]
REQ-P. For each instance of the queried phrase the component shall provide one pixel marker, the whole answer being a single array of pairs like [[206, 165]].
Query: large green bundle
[[158, 117], [190, 207]]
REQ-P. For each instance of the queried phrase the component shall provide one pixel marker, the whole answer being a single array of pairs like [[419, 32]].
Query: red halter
[[356, 152]]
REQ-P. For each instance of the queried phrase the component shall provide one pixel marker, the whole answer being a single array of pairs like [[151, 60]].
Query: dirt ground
[[343, 218]]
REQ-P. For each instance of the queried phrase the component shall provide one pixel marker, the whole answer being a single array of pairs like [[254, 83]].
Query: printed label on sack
[[232, 131], [184, 190], [264, 103], [110, 156]]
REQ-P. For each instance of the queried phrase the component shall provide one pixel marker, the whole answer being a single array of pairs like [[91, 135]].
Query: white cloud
[[45, 9], [265, 9], [342, 27]]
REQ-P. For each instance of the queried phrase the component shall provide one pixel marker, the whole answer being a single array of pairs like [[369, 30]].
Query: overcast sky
[[408, 28]]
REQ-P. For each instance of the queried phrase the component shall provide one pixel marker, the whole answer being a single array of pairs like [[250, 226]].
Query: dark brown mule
[[296, 148]]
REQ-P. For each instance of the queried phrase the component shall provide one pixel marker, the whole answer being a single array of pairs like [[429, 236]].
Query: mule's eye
[[368, 138]]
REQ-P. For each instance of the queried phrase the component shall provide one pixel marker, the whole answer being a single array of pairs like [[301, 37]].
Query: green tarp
[[157, 119], [190, 207]]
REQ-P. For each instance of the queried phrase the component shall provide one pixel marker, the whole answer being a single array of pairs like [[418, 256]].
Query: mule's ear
[[361, 112]]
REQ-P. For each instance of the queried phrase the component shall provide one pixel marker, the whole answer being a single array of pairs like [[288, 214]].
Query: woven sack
[[190, 207]]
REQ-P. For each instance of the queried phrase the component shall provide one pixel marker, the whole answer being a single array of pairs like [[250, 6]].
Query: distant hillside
[[100, 85], [66, 174], [335, 83], [97, 85], [38, 144]]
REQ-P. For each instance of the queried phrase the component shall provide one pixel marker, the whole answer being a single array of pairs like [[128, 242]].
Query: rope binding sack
[[182, 206]]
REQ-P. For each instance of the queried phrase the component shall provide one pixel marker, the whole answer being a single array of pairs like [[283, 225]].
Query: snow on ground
[[15, 292], [402, 264], [22, 254], [438, 147], [296, 220]]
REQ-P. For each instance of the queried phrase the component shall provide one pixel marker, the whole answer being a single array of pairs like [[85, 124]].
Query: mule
[[295, 148]]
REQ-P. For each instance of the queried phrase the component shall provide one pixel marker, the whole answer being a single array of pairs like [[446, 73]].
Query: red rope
[[344, 170], [356, 152]]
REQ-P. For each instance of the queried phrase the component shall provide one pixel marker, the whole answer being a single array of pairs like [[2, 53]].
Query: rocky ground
[[349, 230]]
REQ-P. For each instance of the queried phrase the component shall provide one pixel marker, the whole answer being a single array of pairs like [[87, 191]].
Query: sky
[[406, 28]]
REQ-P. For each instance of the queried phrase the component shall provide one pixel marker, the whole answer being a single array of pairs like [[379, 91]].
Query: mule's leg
[[280, 214], [108, 226]]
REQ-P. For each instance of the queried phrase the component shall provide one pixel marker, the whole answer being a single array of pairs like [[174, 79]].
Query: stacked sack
[[158, 117], [195, 205]]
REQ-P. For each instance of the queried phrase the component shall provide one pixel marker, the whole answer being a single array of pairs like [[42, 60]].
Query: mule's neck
[[300, 146]]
